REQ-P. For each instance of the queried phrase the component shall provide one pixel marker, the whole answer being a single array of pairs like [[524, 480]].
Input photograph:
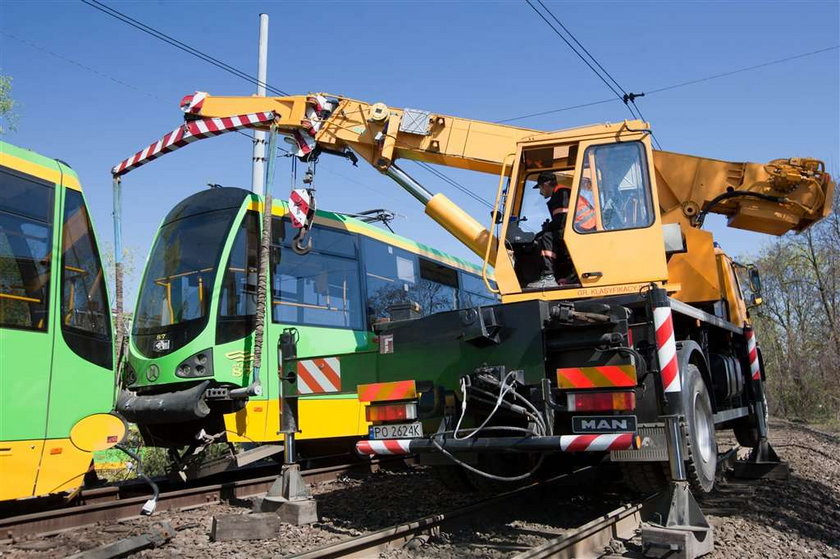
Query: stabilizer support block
[[684, 532], [762, 463]]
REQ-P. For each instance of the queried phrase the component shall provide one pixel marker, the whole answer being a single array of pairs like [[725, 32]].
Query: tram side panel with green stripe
[[56, 378], [192, 338]]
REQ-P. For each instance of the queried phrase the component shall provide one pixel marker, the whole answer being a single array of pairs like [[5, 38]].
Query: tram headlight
[[197, 365]]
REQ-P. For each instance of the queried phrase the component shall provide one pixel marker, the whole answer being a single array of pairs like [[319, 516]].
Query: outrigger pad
[[762, 463], [683, 533]]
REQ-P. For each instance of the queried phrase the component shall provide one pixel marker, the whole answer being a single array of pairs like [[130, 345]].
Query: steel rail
[[104, 504], [366, 544], [590, 539]]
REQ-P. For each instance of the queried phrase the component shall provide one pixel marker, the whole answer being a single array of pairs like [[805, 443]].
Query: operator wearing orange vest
[[552, 250], [585, 211]]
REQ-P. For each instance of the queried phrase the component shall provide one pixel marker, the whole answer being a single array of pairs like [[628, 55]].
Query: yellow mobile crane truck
[[653, 324]]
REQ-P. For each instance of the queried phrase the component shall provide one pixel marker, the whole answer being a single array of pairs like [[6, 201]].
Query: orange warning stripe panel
[[604, 376], [384, 391]]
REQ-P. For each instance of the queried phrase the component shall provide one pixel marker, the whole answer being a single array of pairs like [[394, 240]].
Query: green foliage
[[798, 327], [8, 118], [156, 461]]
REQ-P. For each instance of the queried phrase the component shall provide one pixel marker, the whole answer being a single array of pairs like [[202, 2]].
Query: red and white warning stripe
[[190, 132], [317, 376], [593, 443], [191, 104], [318, 109], [299, 204], [388, 446], [666, 349], [752, 350]]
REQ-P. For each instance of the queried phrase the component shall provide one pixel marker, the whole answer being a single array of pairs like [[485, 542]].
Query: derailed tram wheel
[[701, 462]]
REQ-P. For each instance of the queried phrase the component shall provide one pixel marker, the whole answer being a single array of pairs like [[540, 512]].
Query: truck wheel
[[644, 478], [701, 463]]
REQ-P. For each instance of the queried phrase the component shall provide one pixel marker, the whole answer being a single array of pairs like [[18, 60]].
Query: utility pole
[[258, 168]]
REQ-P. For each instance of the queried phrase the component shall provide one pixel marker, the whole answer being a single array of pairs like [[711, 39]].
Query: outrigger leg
[[682, 531], [289, 496], [763, 462]]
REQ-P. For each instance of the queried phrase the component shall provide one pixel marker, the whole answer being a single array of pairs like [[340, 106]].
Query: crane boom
[[652, 201], [784, 194]]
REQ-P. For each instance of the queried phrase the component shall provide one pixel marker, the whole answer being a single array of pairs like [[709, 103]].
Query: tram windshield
[[178, 282]]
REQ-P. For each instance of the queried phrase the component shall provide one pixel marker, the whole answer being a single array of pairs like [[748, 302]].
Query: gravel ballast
[[799, 517]]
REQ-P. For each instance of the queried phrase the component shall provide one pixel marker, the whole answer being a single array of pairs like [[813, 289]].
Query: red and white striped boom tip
[[188, 133]]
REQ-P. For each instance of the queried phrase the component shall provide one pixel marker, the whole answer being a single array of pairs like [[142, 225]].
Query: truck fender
[[689, 352]]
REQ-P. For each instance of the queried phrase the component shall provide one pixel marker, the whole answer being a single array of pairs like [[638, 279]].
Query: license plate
[[603, 423], [397, 431]]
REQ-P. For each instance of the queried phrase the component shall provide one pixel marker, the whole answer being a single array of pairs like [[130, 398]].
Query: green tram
[[191, 342], [56, 350]]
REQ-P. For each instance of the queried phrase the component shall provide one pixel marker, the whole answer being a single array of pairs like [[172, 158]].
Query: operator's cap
[[564, 179]]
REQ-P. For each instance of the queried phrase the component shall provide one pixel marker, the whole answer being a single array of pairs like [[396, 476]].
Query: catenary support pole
[[258, 167], [118, 265]]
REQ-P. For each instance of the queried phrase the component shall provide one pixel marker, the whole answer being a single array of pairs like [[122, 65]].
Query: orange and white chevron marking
[[385, 391], [594, 443], [319, 376], [388, 446], [604, 376]]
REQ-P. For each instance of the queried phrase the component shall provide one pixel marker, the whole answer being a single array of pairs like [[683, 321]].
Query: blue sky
[[92, 90]]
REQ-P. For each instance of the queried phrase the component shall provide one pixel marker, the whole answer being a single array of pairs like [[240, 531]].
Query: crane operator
[[553, 252]]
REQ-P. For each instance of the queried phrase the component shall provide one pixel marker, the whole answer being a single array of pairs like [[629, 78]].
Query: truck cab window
[[614, 191]]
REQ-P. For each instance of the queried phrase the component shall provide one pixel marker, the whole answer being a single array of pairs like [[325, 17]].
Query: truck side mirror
[[755, 280]]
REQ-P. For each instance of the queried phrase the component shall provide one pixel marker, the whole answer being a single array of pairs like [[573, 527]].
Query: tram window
[[238, 299], [391, 277], [321, 288], [437, 290], [26, 210], [85, 320], [179, 279], [474, 293]]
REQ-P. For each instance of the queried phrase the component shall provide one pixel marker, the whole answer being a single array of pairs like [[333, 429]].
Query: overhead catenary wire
[[178, 44], [454, 183], [676, 85], [629, 99]]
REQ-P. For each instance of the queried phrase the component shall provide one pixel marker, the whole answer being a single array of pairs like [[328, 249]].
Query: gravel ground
[[799, 517]]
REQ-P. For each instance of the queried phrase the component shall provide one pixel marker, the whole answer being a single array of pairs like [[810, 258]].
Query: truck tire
[[701, 462], [645, 478]]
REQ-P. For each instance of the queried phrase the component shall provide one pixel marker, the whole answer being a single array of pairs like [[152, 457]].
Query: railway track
[[602, 531], [587, 540], [555, 518], [115, 503]]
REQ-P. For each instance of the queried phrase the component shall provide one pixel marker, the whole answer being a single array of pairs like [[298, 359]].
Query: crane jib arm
[[189, 132]]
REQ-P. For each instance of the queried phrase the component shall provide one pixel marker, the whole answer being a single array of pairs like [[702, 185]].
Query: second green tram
[[192, 338]]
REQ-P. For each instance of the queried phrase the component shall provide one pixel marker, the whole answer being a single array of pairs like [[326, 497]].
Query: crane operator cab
[[577, 202]]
